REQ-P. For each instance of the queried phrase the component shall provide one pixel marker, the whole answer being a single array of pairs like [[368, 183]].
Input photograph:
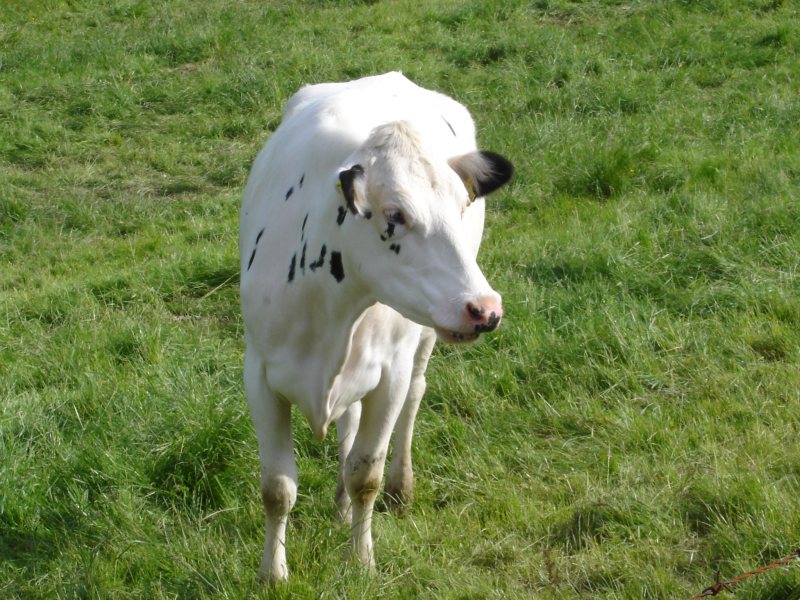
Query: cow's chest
[[324, 379]]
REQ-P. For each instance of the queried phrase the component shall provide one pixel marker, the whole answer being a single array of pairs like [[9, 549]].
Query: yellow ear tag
[[470, 190]]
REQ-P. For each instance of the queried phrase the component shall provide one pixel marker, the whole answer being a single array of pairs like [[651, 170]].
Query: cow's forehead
[[419, 184], [402, 161]]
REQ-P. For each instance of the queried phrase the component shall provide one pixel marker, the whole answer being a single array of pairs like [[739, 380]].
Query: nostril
[[490, 325], [476, 312]]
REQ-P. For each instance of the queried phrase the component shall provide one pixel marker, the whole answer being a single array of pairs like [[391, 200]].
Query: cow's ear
[[352, 183], [482, 172]]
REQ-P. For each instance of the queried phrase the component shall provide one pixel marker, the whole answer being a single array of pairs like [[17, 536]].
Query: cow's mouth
[[454, 337]]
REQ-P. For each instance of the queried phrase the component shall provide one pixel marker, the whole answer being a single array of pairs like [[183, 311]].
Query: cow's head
[[413, 241]]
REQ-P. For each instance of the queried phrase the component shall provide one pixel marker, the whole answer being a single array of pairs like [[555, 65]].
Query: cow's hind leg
[[272, 422], [400, 478], [346, 428], [365, 462]]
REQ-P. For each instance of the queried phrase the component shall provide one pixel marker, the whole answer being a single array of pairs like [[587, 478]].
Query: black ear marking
[[501, 172], [347, 180], [482, 172]]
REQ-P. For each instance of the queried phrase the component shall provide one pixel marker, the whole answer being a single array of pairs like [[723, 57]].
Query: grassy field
[[632, 428]]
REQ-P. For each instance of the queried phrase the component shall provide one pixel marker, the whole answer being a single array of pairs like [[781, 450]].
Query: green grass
[[631, 429]]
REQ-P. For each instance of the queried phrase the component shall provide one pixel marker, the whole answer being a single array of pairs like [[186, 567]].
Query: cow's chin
[[454, 337]]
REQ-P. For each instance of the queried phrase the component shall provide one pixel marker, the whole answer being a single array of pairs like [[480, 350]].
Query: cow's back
[[360, 106]]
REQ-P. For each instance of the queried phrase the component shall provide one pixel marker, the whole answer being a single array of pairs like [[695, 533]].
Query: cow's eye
[[394, 216]]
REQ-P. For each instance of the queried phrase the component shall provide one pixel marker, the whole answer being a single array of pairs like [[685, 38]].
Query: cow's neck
[[331, 299]]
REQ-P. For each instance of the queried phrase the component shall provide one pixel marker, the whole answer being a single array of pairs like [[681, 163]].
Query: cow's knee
[[363, 477], [278, 493]]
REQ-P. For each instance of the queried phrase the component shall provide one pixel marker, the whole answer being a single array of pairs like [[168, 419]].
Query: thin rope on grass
[[719, 586]]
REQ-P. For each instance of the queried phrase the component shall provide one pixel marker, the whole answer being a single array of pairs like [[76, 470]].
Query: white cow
[[361, 220]]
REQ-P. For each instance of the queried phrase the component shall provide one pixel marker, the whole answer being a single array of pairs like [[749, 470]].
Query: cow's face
[[415, 250]]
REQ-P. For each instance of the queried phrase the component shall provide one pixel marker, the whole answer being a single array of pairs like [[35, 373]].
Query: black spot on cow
[[302, 179], [342, 214], [289, 193], [320, 261], [367, 214], [337, 269], [389, 231], [303, 259], [395, 248], [253, 255], [448, 124], [291, 268]]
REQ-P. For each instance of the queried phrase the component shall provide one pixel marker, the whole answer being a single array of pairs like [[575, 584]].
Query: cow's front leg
[[400, 477], [272, 422], [346, 428], [364, 465]]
